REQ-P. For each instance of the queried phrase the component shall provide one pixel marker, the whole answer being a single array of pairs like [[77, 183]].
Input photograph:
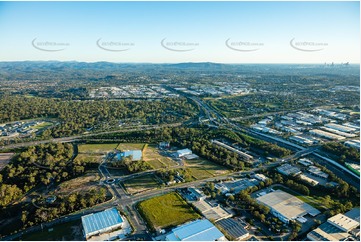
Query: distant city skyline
[[173, 32]]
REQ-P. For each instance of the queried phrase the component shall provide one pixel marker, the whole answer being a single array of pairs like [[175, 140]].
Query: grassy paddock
[[96, 148], [152, 157], [166, 211], [89, 158], [42, 125], [130, 146], [202, 168], [141, 184], [70, 231]]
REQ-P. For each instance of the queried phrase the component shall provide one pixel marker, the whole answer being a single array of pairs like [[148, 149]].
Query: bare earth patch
[[5, 159]]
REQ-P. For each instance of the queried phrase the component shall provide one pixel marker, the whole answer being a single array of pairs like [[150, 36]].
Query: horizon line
[[190, 62]]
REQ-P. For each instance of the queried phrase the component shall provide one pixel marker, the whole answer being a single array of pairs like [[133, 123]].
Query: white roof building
[[260, 177], [343, 222], [286, 207], [184, 152]]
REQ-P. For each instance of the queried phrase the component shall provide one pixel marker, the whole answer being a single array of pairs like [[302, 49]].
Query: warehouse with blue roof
[[198, 230], [101, 222], [135, 154]]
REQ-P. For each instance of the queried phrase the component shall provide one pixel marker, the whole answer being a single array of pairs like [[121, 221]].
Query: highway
[[80, 137]]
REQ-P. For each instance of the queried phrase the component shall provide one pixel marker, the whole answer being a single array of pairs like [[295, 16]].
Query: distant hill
[[76, 70]]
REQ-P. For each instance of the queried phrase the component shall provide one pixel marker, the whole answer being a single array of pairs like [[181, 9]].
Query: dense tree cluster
[[78, 116], [44, 164], [64, 205], [342, 152], [168, 175], [259, 211], [256, 144], [298, 187]]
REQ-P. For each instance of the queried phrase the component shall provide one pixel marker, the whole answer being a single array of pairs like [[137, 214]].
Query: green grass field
[[152, 157], [141, 184], [156, 164], [71, 231], [88, 158], [166, 211], [96, 148], [43, 125], [130, 146], [202, 169]]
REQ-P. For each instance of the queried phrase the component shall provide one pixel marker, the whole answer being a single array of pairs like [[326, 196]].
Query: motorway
[[80, 137]]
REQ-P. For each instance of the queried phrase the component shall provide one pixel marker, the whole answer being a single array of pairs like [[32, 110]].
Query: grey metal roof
[[232, 227]]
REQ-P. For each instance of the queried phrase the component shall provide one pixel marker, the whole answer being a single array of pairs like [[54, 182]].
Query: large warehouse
[[286, 207], [102, 222], [198, 230], [135, 154]]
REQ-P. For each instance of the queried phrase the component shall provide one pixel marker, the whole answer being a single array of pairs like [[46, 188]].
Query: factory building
[[101, 222], [286, 207], [135, 154], [288, 170], [338, 228], [198, 230], [326, 135], [184, 152]]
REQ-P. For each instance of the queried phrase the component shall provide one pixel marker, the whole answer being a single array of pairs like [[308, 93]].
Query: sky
[[173, 32]]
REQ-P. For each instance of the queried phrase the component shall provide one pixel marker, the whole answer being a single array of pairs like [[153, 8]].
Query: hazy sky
[[257, 32]]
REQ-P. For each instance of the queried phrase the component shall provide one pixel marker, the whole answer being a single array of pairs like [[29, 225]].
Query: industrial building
[[305, 162], [192, 194], [289, 170], [286, 207], [236, 186], [311, 181], [101, 222], [337, 228], [326, 135], [198, 230], [233, 228], [341, 128], [301, 140], [135, 154], [260, 177], [213, 213], [354, 214], [335, 131], [317, 172], [343, 222], [191, 157], [184, 152], [353, 144]]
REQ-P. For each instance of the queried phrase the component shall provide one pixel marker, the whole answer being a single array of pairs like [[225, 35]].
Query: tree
[[24, 216]]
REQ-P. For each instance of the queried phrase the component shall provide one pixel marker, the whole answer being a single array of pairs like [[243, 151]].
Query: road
[[127, 204], [79, 137]]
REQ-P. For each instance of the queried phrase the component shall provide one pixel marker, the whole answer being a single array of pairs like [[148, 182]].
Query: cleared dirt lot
[[79, 184], [5, 159]]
